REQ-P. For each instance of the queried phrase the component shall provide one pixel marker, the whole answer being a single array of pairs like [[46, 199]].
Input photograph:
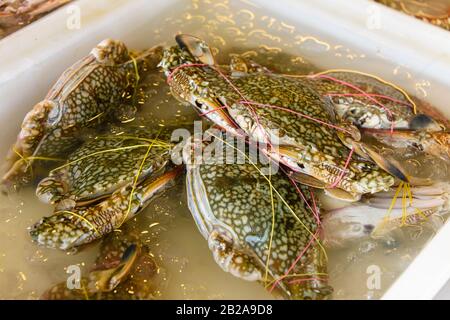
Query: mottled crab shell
[[67, 229], [81, 98], [375, 105], [107, 163], [281, 112], [309, 146], [232, 206], [363, 99], [110, 179]]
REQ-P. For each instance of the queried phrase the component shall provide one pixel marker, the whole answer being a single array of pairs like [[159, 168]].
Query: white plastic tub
[[374, 38]]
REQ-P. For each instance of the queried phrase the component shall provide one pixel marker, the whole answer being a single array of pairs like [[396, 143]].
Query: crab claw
[[66, 229], [387, 163], [108, 279], [356, 222], [423, 122], [425, 197], [196, 47], [435, 143], [396, 151], [19, 158]]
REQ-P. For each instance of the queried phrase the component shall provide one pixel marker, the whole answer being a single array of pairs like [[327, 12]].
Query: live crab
[[328, 131]]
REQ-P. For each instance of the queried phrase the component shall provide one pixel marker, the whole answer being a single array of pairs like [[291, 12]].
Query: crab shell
[[82, 98], [232, 205], [139, 178], [287, 115], [104, 164], [363, 99], [358, 98]]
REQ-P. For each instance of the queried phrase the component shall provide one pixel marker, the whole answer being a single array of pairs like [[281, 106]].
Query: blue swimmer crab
[[295, 122], [84, 96], [383, 112], [123, 270], [257, 226], [104, 183]]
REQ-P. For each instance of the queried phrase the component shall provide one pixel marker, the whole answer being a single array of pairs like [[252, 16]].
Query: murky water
[[26, 270]]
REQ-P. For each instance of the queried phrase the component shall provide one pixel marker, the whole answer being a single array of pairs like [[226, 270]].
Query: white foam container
[[33, 57]]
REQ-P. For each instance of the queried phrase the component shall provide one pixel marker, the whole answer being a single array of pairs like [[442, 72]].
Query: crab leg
[[436, 143], [67, 229]]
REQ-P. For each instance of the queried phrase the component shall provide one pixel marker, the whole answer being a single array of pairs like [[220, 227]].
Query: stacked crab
[[350, 134]]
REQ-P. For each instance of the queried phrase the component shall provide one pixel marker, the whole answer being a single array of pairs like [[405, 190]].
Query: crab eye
[[368, 228], [198, 104]]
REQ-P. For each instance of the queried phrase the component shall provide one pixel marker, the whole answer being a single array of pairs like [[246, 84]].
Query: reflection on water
[[241, 27]]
